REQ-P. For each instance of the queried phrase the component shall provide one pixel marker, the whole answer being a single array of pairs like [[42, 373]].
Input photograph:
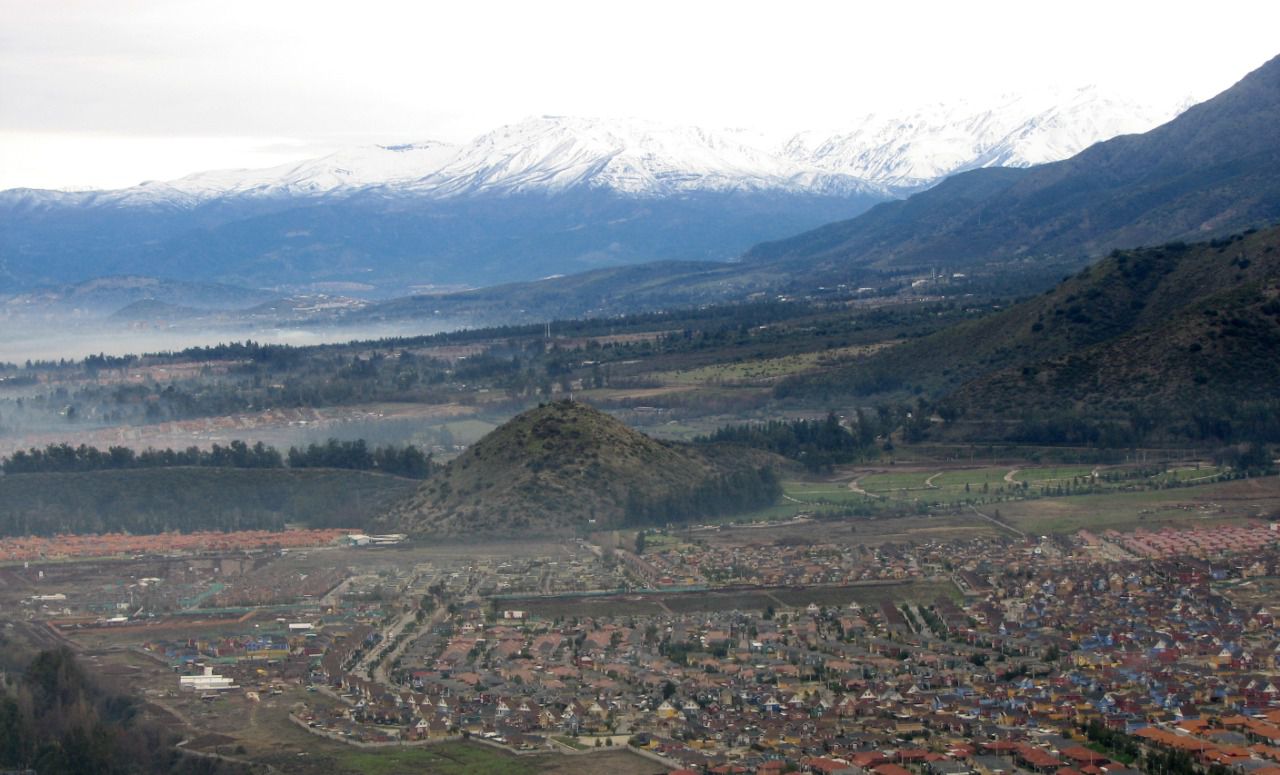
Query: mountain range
[[1212, 170], [550, 195]]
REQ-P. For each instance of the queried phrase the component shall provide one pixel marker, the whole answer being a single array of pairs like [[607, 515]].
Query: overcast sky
[[107, 93]]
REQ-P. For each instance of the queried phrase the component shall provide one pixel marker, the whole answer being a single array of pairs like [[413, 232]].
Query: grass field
[[1189, 474], [444, 759], [1054, 475], [822, 492], [954, 481], [885, 483], [761, 370]]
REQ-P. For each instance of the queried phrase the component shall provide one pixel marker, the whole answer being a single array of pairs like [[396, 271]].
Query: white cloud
[[81, 83]]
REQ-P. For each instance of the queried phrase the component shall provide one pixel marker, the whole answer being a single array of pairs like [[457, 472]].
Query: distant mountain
[[1212, 170], [550, 195], [565, 467], [914, 151], [1178, 340]]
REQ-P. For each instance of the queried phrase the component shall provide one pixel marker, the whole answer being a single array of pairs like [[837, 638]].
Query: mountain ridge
[[548, 153], [1213, 169]]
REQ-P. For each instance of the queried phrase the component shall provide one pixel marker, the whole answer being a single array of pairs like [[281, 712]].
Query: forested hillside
[[1178, 343]]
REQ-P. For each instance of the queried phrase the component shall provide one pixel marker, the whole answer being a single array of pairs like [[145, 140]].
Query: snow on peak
[[642, 158], [880, 155], [350, 168], [916, 150]]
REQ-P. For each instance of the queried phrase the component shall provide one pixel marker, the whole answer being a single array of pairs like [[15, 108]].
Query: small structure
[[206, 682]]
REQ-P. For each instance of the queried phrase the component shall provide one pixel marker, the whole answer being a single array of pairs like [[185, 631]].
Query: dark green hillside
[[1213, 170], [1171, 339], [1127, 291], [1208, 373], [189, 499], [560, 466]]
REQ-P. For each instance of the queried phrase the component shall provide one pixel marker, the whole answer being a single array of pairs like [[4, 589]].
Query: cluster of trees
[[148, 501], [818, 444], [742, 490], [1117, 742], [408, 461], [54, 719], [1072, 427], [64, 458]]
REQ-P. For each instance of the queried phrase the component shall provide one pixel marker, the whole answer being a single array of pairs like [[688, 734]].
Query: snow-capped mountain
[[350, 169], [548, 154], [549, 195], [638, 158], [914, 151], [875, 155]]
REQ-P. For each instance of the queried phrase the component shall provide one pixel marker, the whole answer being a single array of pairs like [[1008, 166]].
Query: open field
[[446, 759], [895, 481], [955, 481], [1189, 474], [1053, 475], [757, 371], [1231, 502], [1190, 504]]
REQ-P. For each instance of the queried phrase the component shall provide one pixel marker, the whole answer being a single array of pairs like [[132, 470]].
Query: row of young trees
[[408, 461]]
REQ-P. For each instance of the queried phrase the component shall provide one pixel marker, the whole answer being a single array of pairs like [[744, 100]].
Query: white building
[[207, 682]]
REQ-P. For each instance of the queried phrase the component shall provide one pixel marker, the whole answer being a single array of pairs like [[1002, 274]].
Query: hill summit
[[565, 466]]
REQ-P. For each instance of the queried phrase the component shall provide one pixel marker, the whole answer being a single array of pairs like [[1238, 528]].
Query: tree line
[[407, 461], [817, 444], [743, 490]]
